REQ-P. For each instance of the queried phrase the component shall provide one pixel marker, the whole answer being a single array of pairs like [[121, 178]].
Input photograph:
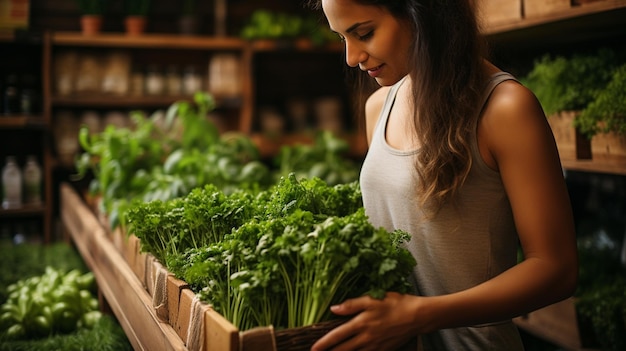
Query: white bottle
[[32, 181], [11, 184]]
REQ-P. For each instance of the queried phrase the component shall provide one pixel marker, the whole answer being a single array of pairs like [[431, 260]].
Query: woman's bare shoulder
[[373, 107], [511, 101]]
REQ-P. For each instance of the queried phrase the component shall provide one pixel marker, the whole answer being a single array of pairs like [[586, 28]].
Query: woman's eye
[[365, 36]]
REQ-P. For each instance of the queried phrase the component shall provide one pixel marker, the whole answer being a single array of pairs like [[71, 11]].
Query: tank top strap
[[495, 79], [388, 104]]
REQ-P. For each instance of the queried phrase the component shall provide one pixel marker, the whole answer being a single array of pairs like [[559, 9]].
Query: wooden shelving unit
[[22, 54], [159, 43]]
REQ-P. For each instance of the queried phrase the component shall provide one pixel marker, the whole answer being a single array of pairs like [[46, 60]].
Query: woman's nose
[[354, 54]]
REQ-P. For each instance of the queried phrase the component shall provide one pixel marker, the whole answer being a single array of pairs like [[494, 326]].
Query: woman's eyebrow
[[353, 27]]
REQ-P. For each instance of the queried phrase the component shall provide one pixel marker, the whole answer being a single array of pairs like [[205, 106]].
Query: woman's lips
[[375, 71]]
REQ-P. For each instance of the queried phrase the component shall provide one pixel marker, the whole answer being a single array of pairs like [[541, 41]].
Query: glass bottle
[[29, 101], [11, 97], [11, 184], [174, 81], [32, 181]]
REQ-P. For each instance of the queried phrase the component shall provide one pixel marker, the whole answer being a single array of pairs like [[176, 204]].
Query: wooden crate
[[605, 152], [493, 13], [572, 145], [538, 8], [609, 149]]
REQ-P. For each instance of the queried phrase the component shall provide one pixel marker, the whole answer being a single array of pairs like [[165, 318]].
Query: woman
[[460, 156]]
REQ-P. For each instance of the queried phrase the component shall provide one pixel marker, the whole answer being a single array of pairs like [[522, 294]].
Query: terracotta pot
[[91, 24], [135, 25]]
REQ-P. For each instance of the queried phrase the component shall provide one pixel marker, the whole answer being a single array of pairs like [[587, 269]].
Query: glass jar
[[155, 82], [32, 181], [11, 184], [192, 81]]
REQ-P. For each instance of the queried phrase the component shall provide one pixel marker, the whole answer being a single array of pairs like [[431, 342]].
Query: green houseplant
[[566, 86], [189, 20], [570, 83], [607, 113]]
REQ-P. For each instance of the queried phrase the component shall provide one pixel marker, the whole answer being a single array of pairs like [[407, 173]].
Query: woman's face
[[375, 41]]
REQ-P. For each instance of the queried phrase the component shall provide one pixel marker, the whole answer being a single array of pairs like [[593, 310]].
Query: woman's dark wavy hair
[[448, 83]]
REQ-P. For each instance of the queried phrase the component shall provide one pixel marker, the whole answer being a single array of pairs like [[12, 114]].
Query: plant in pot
[[91, 15], [189, 18], [607, 113], [604, 119], [136, 16], [565, 86]]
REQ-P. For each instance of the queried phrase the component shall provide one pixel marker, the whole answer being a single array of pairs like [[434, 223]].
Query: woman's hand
[[379, 325]]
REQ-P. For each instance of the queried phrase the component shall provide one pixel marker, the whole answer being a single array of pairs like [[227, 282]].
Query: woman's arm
[[515, 138]]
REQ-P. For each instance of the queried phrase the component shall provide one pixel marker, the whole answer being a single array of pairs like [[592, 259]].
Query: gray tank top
[[462, 246]]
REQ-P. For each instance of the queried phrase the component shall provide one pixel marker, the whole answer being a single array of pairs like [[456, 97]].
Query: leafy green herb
[[325, 159], [105, 335], [570, 82], [607, 113], [166, 156], [55, 302]]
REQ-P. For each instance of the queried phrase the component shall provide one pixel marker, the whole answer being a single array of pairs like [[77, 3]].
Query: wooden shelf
[[601, 19], [293, 45], [609, 166], [108, 101], [21, 121], [24, 211], [158, 41]]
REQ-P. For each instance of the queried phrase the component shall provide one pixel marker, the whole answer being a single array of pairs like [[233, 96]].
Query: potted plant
[[189, 19], [91, 18], [604, 119], [565, 86], [136, 16]]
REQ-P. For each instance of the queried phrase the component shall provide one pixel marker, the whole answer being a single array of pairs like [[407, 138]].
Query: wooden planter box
[[156, 310], [538, 8]]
